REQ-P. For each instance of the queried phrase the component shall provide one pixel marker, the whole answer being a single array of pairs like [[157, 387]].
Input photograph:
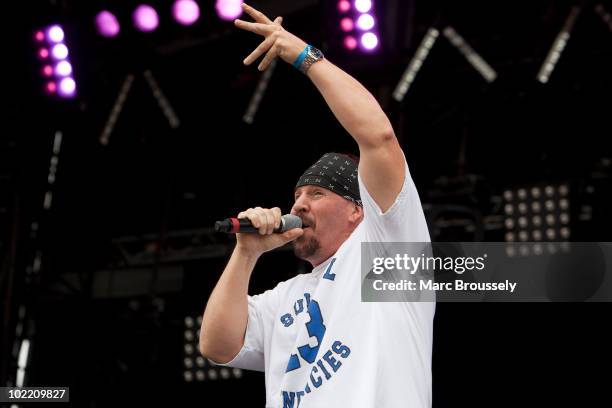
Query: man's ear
[[356, 213]]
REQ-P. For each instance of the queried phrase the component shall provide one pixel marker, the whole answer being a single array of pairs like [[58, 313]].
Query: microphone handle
[[239, 225]]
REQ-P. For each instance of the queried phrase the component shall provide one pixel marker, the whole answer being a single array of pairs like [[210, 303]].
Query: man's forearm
[[225, 318], [352, 104]]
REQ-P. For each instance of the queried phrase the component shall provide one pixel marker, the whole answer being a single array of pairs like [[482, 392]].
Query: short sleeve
[[260, 318], [404, 221]]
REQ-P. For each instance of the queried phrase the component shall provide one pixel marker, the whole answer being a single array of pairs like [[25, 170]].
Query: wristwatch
[[312, 55]]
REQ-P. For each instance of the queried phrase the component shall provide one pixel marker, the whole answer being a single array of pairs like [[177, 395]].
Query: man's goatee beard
[[307, 249]]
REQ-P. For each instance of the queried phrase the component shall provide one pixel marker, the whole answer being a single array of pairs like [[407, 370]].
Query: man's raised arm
[[381, 164]]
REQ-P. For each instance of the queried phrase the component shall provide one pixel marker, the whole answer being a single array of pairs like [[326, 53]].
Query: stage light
[[369, 41], [558, 46], [229, 9], [63, 68], [39, 36], [344, 6], [346, 24], [365, 22], [260, 90], [186, 12], [107, 24], [363, 6], [415, 66], [22, 362], [47, 70], [55, 34], [540, 215], [479, 64], [195, 366], [350, 42], [59, 51], [189, 336], [145, 18], [536, 221], [188, 363], [67, 87], [565, 233], [51, 87], [43, 53]]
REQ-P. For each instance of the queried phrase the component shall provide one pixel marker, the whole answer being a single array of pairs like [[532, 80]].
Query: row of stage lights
[[145, 17], [56, 67], [195, 367], [53, 51], [537, 213], [357, 20]]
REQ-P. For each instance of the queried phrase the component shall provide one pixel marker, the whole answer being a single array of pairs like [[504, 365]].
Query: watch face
[[316, 53]]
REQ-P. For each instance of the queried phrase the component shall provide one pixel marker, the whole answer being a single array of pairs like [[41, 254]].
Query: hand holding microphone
[[273, 229]]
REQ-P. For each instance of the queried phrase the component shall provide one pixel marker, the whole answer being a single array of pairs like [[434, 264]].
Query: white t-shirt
[[320, 346]]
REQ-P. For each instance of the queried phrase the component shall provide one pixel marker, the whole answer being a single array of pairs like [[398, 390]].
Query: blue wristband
[[301, 57]]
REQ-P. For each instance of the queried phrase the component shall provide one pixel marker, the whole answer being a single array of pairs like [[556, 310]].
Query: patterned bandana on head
[[336, 172]]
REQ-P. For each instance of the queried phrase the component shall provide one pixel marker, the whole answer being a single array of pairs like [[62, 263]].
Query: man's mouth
[[306, 224]]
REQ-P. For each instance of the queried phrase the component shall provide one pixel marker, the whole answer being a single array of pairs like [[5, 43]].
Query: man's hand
[[278, 42], [265, 220]]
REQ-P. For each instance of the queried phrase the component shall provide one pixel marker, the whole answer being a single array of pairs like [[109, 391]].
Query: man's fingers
[[278, 20], [269, 220], [257, 28], [263, 47], [256, 14], [270, 56], [277, 216], [292, 234]]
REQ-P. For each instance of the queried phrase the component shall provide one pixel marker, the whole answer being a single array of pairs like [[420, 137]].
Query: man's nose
[[300, 206]]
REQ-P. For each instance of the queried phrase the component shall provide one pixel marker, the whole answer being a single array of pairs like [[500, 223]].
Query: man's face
[[328, 220]]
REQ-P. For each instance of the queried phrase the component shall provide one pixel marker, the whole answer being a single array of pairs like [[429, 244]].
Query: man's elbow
[[386, 135], [379, 139], [221, 354]]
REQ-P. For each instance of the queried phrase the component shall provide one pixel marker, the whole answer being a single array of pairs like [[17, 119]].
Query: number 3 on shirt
[[316, 329]]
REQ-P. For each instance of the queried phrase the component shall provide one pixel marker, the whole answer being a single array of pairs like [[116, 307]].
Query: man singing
[[317, 342]]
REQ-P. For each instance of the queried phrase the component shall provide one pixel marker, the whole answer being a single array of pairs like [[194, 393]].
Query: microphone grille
[[290, 221]]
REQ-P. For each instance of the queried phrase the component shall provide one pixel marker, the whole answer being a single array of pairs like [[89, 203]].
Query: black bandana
[[335, 172]]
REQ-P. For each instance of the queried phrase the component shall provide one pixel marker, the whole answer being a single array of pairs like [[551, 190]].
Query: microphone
[[235, 225]]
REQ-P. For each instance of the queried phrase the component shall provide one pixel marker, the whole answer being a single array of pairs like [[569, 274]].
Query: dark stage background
[[106, 281]]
